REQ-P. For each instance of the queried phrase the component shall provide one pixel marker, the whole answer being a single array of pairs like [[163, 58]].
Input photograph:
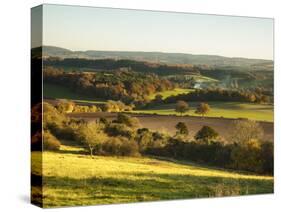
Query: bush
[[246, 130], [52, 118], [65, 106], [116, 106], [144, 139], [182, 128], [114, 129], [246, 156], [85, 109], [50, 142], [127, 120], [206, 134], [120, 146]]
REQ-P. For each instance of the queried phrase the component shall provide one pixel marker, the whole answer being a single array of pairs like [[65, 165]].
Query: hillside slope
[[71, 178], [162, 57]]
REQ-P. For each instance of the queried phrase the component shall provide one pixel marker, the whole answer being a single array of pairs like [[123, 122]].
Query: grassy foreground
[[71, 178], [258, 112]]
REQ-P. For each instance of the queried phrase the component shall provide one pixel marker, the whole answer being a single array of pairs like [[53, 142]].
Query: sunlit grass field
[[72, 178], [258, 112], [174, 92]]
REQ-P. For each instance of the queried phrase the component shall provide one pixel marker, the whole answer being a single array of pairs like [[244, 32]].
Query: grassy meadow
[[252, 111], [168, 93], [71, 178], [62, 92]]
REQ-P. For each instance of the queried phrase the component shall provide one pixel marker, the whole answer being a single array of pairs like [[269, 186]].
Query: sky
[[88, 28]]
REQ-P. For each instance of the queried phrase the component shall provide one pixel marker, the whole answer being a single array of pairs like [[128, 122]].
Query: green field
[[173, 92], [71, 178], [201, 78], [61, 92], [259, 112]]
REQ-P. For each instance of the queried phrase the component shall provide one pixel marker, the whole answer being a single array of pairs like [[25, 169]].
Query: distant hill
[[155, 57]]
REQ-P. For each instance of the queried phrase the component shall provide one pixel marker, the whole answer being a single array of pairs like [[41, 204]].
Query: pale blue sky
[[87, 28]]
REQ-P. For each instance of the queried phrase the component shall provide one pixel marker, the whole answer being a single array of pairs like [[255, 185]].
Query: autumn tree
[[203, 109], [182, 128], [246, 130], [91, 135], [127, 120], [206, 134], [181, 107]]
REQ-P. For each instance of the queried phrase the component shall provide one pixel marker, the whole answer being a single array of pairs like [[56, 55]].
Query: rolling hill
[[104, 180], [158, 57]]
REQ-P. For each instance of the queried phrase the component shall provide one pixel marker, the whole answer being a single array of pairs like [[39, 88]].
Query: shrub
[[120, 146], [115, 129], [85, 109], [116, 106], [65, 106], [246, 130], [246, 156], [182, 128], [50, 142], [127, 120], [52, 118], [206, 134], [144, 139]]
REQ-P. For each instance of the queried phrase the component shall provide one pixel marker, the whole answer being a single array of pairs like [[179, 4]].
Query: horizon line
[[163, 52]]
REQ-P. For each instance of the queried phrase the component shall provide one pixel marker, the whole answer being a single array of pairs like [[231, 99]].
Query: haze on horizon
[[88, 28]]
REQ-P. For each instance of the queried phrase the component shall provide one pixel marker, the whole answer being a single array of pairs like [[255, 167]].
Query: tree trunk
[[91, 152]]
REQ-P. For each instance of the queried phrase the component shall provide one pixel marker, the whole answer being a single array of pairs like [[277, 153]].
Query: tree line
[[126, 86], [111, 64], [123, 136], [218, 94]]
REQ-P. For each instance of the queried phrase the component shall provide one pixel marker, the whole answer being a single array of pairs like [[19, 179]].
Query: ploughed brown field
[[167, 123]]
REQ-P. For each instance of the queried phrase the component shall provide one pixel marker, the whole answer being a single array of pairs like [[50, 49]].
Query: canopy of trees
[[127, 86], [218, 94], [111, 64]]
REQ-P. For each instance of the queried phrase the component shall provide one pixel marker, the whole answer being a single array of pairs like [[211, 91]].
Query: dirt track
[[167, 123]]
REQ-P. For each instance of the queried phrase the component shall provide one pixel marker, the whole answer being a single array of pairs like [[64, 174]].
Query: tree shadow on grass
[[76, 152]]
